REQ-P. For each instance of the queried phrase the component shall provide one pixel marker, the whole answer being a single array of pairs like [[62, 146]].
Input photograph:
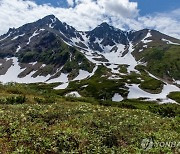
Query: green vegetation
[[98, 86], [163, 61], [60, 55], [28, 56], [102, 88], [148, 83], [44, 122], [152, 85], [123, 69], [175, 96]]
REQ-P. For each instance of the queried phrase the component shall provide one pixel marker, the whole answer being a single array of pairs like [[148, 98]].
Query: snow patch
[[140, 50], [62, 78], [42, 29], [33, 63], [169, 42], [177, 82], [145, 46], [43, 65], [53, 21], [82, 75], [114, 58], [117, 98], [73, 94], [147, 36], [62, 86], [114, 68], [84, 86]]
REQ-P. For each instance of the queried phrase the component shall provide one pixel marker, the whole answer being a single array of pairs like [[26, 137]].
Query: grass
[[175, 96], [163, 61], [152, 85], [45, 122], [67, 127]]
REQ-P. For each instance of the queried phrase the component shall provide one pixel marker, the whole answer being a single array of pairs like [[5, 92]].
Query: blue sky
[[152, 6], [161, 15], [56, 3]]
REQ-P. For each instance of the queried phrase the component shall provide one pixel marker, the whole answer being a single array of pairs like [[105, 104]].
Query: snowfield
[[13, 72], [135, 92]]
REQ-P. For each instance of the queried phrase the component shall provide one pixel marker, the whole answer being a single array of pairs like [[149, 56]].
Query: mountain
[[105, 63]]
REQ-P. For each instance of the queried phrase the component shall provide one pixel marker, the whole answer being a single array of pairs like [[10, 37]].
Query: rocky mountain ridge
[[138, 64]]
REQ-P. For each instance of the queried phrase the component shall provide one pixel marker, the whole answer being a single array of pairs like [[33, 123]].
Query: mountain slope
[[105, 63]]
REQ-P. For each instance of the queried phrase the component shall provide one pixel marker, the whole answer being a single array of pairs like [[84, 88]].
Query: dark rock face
[[107, 36]]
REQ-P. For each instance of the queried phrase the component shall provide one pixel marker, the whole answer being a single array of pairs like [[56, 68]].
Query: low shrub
[[15, 100]]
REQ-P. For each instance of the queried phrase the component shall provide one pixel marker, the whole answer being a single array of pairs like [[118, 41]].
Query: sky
[[162, 15]]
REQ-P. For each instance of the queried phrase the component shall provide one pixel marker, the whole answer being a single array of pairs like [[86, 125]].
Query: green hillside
[[37, 120], [163, 61]]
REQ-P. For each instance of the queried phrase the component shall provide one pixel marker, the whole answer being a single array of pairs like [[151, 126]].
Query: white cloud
[[87, 14], [167, 23], [70, 2], [122, 8]]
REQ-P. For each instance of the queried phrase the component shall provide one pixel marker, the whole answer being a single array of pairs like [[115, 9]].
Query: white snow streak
[[18, 49], [6, 36], [18, 36], [34, 34], [82, 75], [169, 42]]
